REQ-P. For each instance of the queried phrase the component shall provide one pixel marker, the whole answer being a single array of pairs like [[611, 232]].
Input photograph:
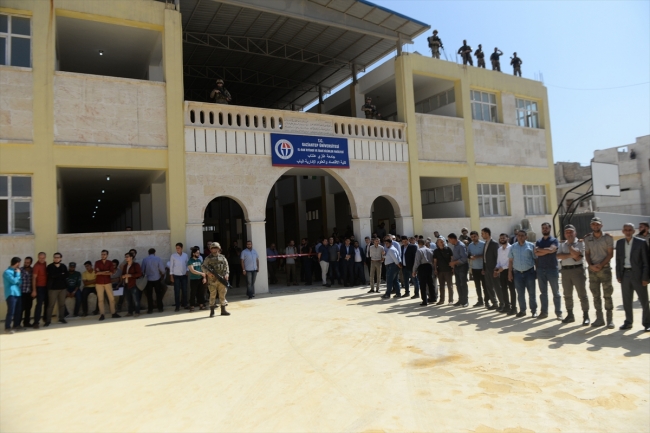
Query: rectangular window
[[527, 113], [441, 194], [436, 101], [15, 204], [484, 106], [492, 199], [15, 41], [535, 199]]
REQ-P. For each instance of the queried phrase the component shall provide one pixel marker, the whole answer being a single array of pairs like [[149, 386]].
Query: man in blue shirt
[[475, 251], [459, 265], [547, 271], [11, 280], [324, 260], [250, 264], [521, 270], [154, 269], [393, 265]]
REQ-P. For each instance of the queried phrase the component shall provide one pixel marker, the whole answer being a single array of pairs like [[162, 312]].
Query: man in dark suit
[[408, 250], [633, 274], [347, 263], [492, 278], [359, 256]]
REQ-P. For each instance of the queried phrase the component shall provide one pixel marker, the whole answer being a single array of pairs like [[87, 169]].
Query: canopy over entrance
[[277, 54]]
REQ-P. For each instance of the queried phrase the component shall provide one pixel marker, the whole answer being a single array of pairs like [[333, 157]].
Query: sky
[[585, 50]]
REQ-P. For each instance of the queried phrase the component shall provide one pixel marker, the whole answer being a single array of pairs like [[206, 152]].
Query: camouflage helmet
[[215, 245], [219, 81]]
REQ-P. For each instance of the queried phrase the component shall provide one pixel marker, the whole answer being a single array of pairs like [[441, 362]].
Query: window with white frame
[[535, 199], [15, 40], [484, 106], [527, 113], [492, 199], [434, 102], [441, 194], [15, 204]]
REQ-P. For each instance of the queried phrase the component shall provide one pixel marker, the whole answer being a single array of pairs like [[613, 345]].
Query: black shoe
[[492, 307], [385, 297], [570, 318], [371, 291], [212, 310], [478, 304], [397, 296], [647, 329], [534, 315], [465, 305], [457, 304], [512, 312], [625, 326], [63, 321], [521, 314], [542, 316], [414, 297], [46, 324], [101, 317], [423, 304], [407, 294], [116, 316], [223, 311], [177, 309]]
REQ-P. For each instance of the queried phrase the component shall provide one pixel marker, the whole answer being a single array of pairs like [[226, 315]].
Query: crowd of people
[[507, 271]]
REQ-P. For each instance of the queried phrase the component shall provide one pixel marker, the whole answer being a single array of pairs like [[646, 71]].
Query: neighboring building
[[104, 127]]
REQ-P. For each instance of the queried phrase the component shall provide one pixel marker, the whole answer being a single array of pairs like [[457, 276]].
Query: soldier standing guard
[[466, 52], [516, 64], [435, 43], [480, 57], [494, 58], [216, 263], [220, 94], [369, 108]]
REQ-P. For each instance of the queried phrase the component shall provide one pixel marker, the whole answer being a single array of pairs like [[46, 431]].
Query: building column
[[256, 231], [404, 226], [194, 236], [362, 227]]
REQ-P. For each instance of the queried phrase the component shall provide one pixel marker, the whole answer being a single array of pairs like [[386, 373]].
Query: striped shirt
[[26, 280]]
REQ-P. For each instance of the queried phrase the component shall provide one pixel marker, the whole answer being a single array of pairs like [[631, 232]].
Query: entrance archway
[[224, 222], [383, 217]]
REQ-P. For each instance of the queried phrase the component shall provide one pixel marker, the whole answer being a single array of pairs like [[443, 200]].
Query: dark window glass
[[3, 23], [3, 51], [20, 26], [20, 52], [21, 186], [4, 191], [4, 218], [21, 217]]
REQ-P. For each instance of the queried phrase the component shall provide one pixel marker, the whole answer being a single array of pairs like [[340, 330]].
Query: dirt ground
[[335, 360]]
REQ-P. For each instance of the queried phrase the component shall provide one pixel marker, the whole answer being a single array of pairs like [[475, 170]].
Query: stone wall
[[93, 109], [440, 138], [16, 104], [15, 246], [444, 226], [496, 143]]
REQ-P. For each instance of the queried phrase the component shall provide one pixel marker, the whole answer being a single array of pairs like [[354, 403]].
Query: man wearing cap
[[216, 262], [599, 250], [632, 271], [571, 253], [369, 108], [435, 43], [220, 94]]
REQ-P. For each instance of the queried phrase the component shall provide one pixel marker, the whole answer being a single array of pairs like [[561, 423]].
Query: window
[[15, 204], [436, 101], [441, 194], [492, 199], [527, 113], [484, 106], [535, 199], [15, 41]]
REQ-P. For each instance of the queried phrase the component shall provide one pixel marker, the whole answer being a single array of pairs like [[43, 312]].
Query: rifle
[[219, 278]]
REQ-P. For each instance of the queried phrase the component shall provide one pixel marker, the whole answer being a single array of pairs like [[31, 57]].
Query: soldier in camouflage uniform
[[220, 94], [599, 250], [218, 263], [369, 108], [435, 43]]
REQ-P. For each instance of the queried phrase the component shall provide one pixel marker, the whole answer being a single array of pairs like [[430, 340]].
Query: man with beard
[[547, 271], [492, 284], [522, 272], [599, 250], [507, 286], [571, 253], [644, 231]]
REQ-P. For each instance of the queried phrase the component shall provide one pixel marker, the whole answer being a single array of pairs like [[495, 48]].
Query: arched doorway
[[383, 216], [224, 222]]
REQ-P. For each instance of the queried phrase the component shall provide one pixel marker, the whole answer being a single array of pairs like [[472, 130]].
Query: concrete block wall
[[16, 104]]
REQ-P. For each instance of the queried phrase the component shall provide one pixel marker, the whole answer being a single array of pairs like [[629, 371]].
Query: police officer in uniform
[[480, 57], [516, 64], [219, 264], [599, 250], [466, 52], [220, 94], [494, 58], [435, 43], [369, 109]]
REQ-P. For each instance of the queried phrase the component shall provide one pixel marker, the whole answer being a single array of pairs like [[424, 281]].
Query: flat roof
[[276, 53]]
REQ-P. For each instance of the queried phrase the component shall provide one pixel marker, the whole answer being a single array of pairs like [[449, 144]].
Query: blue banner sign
[[308, 151]]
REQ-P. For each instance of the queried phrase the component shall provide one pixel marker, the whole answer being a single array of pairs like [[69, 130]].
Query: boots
[[610, 319], [585, 318], [223, 311], [570, 318], [211, 311], [600, 321]]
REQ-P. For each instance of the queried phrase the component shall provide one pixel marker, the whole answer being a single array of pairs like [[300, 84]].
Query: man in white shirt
[[507, 286], [290, 263], [178, 276], [359, 256]]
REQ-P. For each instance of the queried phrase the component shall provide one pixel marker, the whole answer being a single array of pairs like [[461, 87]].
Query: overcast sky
[[582, 48]]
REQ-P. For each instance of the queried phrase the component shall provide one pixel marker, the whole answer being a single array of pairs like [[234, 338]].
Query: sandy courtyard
[[327, 361]]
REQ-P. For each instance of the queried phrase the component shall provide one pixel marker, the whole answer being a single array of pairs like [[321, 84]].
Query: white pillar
[[194, 236], [257, 234], [361, 227], [404, 226]]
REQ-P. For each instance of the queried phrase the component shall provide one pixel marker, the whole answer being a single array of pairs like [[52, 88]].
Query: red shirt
[[103, 267], [40, 270]]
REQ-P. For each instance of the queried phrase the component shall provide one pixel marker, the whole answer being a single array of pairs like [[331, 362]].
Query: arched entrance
[[383, 217], [224, 222]]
